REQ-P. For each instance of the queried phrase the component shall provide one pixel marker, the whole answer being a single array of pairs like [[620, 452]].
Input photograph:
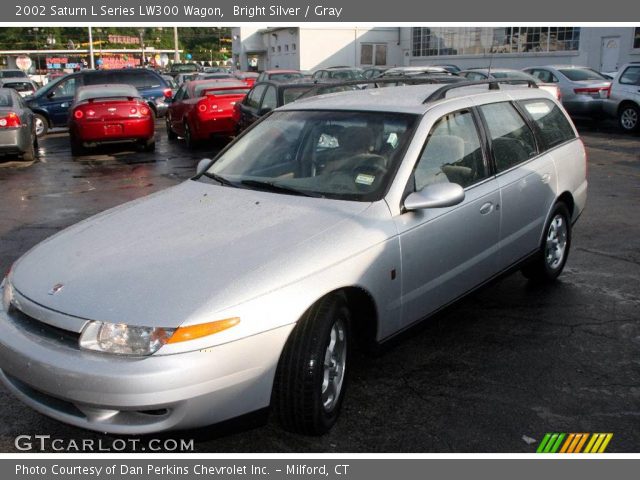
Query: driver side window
[[453, 153], [66, 88]]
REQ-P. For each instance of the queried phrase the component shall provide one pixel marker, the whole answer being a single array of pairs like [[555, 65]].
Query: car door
[[526, 177], [249, 107], [175, 109], [59, 99], [448, 251]]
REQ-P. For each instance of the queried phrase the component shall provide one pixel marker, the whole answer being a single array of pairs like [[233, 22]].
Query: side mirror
[[202, 165], [51, 94], [436, 195]]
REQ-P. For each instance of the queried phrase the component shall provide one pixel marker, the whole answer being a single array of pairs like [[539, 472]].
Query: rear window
[[20, 86], [6, 99], [108, 91], [285, 76], [139, 79], [514, 75], [552, 123], [579, 74], [12, 74], [221, 92]]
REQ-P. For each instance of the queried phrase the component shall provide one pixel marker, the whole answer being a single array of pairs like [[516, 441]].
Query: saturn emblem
[[56, 288]]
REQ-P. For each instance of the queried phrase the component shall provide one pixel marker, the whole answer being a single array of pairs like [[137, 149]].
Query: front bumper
[[137, 395]]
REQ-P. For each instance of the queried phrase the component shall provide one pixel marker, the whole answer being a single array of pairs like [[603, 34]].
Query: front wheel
[[629, 118], [310, 381], [550, 260]]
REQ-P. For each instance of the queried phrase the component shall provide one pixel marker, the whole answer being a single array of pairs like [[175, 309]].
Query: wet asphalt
[[492, 373]]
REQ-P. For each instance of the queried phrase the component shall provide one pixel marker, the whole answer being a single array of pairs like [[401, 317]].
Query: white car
[[340, 219]]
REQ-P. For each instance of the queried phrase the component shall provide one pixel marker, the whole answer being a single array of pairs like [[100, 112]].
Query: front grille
[[43, 330]]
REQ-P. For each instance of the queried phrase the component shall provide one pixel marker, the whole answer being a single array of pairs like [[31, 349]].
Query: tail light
[[144, 110], [11, 120], [78, 114], [590, 90], [167, 92], [202, 108], [608, 90]]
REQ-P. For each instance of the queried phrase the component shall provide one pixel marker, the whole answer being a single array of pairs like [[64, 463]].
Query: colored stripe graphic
[[574, 442]]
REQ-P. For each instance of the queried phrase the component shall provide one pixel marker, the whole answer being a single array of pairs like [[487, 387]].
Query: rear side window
[[631, 76], [253, 99], [552, 123], [512, 141]]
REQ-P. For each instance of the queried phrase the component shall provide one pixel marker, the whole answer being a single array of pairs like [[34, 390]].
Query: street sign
[[23, 62]]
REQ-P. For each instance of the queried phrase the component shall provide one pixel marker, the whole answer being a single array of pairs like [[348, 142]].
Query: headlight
[[123, 339], [7, 293]]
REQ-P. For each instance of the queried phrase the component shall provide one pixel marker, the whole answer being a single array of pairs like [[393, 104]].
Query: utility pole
[[176, 47], [92, 62]]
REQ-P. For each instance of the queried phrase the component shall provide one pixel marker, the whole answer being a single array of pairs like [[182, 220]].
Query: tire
[[188, 139], [150, 146], [41, 125], [30, 154], [77, 148], [629, 118], [549, 261], [311, 377], [171, 135]]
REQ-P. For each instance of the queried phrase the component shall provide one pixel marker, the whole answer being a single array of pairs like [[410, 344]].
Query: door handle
[[486, 208], [545, 178]]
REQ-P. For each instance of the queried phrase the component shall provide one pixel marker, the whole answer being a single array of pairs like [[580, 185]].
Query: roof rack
[[412, 80], [493, 84]]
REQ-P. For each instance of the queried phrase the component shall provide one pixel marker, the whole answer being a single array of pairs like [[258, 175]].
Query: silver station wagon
[[337, 219]]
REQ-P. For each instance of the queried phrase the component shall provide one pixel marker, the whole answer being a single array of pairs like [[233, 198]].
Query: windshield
[[513, 74], [334, 154], [579, 74]]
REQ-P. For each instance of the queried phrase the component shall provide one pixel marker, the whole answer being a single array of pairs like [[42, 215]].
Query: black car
[[51, 103], [271, 94], [339, 73]]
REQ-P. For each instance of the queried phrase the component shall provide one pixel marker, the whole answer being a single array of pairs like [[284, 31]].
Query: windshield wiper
[[273, 187], [220, 179]]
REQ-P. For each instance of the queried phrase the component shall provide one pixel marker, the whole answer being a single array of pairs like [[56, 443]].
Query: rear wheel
[[41, 125], [188, 138], [550, 260], [310, 381], [30, 154], [76, 146], [629, 118], [171, 135]]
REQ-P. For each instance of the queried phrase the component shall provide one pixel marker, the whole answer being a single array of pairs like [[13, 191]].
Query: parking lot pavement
[[502, 367]]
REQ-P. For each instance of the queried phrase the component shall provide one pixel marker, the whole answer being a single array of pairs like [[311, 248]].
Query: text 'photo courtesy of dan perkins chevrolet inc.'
[[302, 239]]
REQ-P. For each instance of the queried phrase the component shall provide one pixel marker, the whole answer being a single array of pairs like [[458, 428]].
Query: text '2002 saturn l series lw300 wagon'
[[337, 218]]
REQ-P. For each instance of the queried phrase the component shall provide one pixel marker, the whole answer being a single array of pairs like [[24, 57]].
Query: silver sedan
[[17, 130]]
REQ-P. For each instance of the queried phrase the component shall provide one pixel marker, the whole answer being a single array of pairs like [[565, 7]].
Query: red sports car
[[202, 109], [110, 114]]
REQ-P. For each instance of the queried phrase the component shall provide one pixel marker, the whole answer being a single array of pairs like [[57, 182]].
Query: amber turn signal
[[192, 332]]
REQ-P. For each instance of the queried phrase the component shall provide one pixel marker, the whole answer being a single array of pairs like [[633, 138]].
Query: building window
[[431, 42], [636, 38], [279, 48], [293, 47], [373, 54], [286, 48], [273, 49]]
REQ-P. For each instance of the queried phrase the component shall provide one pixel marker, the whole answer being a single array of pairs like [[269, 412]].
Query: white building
[[310, 48], [603, 49]]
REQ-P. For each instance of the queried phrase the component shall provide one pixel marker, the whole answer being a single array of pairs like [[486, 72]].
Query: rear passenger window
[[253, 99], [512, 141], [452, 153], [554, 126], [631, 76], [270, 100]]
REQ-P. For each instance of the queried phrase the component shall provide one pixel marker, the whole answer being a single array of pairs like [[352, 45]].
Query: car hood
[[157, 260]]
